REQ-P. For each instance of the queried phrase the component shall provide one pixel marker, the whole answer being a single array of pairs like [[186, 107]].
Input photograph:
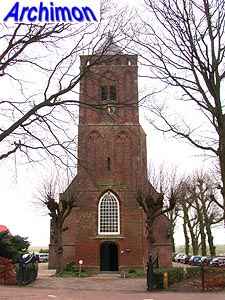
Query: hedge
[[174, 275]]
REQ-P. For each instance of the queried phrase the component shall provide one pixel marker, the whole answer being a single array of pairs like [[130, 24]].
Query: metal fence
[[212, 277], [26, 270]]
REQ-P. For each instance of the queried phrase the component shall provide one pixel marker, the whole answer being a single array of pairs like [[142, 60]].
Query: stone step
[[107, 275]]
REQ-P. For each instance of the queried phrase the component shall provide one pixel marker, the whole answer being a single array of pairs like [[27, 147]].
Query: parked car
[[185, 259], [218, 261], [205, 260], [195, 260], [178, 257], [42, 257]]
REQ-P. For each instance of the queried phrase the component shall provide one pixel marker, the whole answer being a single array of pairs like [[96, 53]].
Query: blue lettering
[[52, 16], [24, 9], [63, 11], [87, 10], [49, 13], [13, 13], [43, 10], [77, 14], [29, 17]]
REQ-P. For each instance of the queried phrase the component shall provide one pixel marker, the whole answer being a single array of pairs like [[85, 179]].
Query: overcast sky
[[19, 185]]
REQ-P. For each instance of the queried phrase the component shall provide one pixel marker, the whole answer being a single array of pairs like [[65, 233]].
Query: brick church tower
[[107, 228]]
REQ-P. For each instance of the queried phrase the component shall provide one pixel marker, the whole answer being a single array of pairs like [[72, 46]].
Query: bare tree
[[165, 180], [59, 209], [199, 212], [208, 212], [41, 62], [152, 204], [182, 44], [190, 220]]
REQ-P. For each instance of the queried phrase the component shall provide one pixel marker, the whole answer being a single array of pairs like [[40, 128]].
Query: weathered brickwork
[[112, 158]]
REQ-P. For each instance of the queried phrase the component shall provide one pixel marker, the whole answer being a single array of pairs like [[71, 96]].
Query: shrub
[[174, 275], [13, 247], [133, 273], [70, 267], [71, 270]]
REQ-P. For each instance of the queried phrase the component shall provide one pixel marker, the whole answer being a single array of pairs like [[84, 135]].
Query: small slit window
[[104, 92], [112, 93], [109, 164], [108, 215]]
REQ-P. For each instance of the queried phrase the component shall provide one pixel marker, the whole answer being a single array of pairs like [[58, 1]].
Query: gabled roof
[[109, 47]]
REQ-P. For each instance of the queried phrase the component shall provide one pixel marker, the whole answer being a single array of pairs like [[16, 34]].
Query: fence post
[[165, 280]]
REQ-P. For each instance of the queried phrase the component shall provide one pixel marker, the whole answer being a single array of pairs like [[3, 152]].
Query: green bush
[[70, 267], [82, 274], [174, 275], [13, 247], [71, 270], [134, 273]]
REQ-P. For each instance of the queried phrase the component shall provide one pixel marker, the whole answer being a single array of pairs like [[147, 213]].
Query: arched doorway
[[108, 256]]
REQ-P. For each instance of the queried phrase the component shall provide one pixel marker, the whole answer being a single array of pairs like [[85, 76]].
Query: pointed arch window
[[108, 215]]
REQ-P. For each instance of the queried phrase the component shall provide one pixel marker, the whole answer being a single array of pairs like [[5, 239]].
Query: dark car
[[195, 260]]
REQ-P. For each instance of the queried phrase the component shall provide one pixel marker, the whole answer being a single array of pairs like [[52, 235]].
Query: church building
[[106, 229]]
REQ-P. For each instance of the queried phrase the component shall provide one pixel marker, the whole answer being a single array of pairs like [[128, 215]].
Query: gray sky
[[19, 185]]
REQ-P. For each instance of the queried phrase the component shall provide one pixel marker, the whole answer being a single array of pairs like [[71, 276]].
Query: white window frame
[[99, 214]]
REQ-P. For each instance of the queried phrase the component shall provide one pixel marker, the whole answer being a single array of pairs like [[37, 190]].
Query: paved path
[[94, 288]]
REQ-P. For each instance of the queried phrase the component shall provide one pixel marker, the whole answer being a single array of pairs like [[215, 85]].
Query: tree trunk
[[221, 149], [173, 243], [222, 168], [187, 222], [172, 216], [59, 250], [212, 248], [201, 228], [194, 240], [187, 240]]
